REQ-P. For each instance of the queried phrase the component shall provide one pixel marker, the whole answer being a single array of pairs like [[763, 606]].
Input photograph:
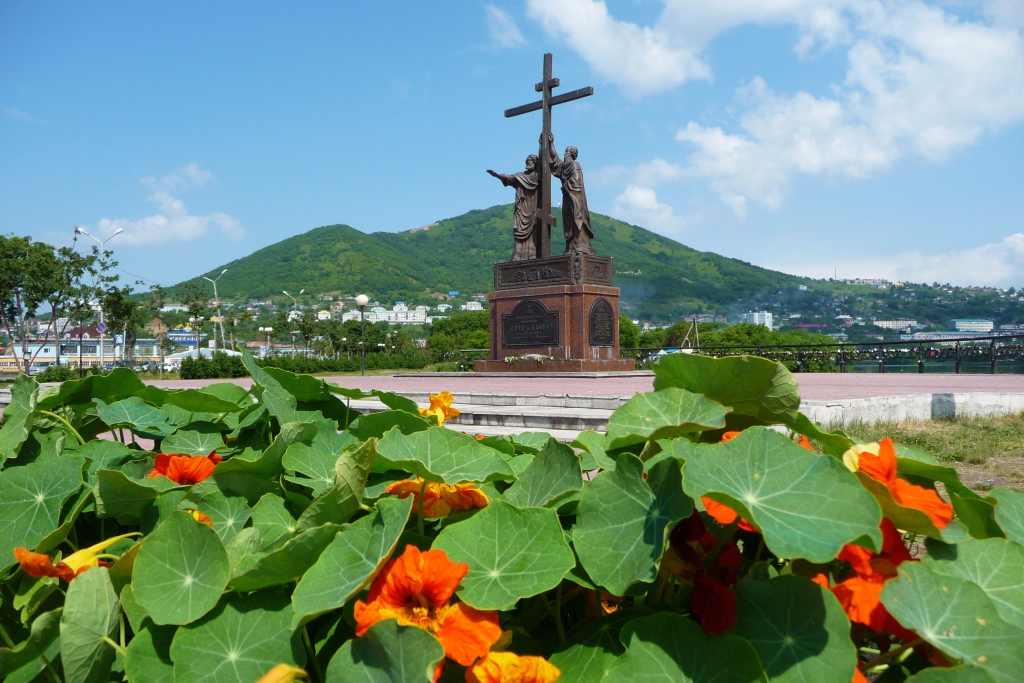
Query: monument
[[552, 313]]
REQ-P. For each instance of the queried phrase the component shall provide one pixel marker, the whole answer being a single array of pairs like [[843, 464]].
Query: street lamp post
[[361, 302], [102, 243], [216, 301], [198, 320], [267, 330]]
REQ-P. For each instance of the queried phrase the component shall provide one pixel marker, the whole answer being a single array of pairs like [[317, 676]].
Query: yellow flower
[[40, 564], [851, 458], [441, 406], [283, 673], [200, 517], [508, 667]]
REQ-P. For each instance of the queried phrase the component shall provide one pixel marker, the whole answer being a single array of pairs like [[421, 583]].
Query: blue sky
[[858, 137]]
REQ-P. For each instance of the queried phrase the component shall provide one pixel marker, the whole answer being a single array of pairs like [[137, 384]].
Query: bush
[[56, 373], [221, 365]]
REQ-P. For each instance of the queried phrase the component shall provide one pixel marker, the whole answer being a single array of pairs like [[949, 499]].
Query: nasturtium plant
[[271, 533]]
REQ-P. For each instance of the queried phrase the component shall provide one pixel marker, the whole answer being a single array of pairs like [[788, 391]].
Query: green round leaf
[[956, 674], [957, 617], [622, 521], [199, 438], [995, 565], [1010, 513], [388, 653], [512, 553], [43, 631], [798, 628], [345, 497], [806, 505], [148, 657], [228, 515], [760, 390], [315, 457], [669, 648], [238, 642], [31, 497], [285, 564], [180, 571], [351, 560], [273, 521], [135, 413], [594, 649], [90, 613], [550, 476], [663, 414], [444, 455]]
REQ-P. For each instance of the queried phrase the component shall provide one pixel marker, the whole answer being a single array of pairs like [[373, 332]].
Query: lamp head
[[286, 293], [117, 232], [223, 271], [362, 300]]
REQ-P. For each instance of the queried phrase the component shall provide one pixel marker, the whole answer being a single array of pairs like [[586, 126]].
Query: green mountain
[[659, 277]]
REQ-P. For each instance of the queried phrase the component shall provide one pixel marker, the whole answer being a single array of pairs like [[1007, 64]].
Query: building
[[707, 318], [145, 350], [894, 324], [872, 281], [174, 308], [323, 315], [398, 315], [970, 325], [472, 306], [758, 318]]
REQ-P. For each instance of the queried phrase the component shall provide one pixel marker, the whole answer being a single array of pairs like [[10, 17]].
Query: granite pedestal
[[558, 314]]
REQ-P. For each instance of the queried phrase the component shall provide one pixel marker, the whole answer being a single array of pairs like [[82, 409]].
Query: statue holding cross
[[540, 234]]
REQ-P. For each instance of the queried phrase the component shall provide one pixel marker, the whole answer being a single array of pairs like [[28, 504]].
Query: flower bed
[[713, 534]]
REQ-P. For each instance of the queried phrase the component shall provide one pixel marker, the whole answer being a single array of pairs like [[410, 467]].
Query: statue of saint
[[523, 220], [575, 214]]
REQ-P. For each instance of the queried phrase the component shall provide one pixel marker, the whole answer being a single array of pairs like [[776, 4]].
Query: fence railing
[[841, 356]]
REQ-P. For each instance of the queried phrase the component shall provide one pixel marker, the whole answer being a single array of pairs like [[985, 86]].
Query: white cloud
[[640, 206], [1000, 264], [173, 222], [920, 81], [503, 29], [19, 115], [639, 60]]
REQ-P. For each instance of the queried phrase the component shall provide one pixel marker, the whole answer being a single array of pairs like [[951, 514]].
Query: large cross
[[544, 217]]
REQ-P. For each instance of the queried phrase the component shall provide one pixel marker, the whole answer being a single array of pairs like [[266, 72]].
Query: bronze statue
[[575, 213], [524, 217]]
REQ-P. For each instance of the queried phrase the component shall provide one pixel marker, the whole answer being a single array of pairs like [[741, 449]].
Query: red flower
[[184, 469], [416, 589], [860, 592], [713, 605], [880, 465], [727, 564]]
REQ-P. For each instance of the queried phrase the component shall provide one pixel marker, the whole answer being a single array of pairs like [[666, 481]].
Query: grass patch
[[988, 452]]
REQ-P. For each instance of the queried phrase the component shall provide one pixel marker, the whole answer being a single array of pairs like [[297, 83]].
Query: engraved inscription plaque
[[530, 324], [602, 324]]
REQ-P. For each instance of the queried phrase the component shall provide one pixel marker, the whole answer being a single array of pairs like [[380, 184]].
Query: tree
[[69, 292], [125, 313], [629, 334], [195, 301]]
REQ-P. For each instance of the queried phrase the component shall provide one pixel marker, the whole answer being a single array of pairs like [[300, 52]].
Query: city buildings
[[758, 318], [970, 325], [901, 324]]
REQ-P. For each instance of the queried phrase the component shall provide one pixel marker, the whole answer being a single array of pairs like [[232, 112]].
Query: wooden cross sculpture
[[544, 217]]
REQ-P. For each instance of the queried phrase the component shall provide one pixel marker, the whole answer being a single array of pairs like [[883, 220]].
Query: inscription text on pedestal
[[530, 324], [602, 324]]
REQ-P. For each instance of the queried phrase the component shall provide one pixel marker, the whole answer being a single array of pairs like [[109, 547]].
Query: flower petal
[[508, 667], [466, 632], [713, 606], [860, 597]]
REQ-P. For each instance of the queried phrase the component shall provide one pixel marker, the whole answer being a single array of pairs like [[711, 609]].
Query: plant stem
[[7, 637], [760, 549], [311, 652], [727, 534], [120, 621], [55, 416], [419, 509], [559, 627], [110, 641], [881, 659]]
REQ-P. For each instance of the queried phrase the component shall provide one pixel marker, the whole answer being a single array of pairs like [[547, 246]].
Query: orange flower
[[878, 461], [441, 406], [184, 469], [859, 677], [283, 673], [200, 517], [724, 515], [728, 436], [860, 593], [508, 667], [38, 564], [440, 499], [416, 589], [806, 443]]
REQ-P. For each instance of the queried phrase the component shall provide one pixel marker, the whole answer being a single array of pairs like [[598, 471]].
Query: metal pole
[[959, 358], [881, 359], [362, 344], [920, 359], [992, 356], [101, 338]]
